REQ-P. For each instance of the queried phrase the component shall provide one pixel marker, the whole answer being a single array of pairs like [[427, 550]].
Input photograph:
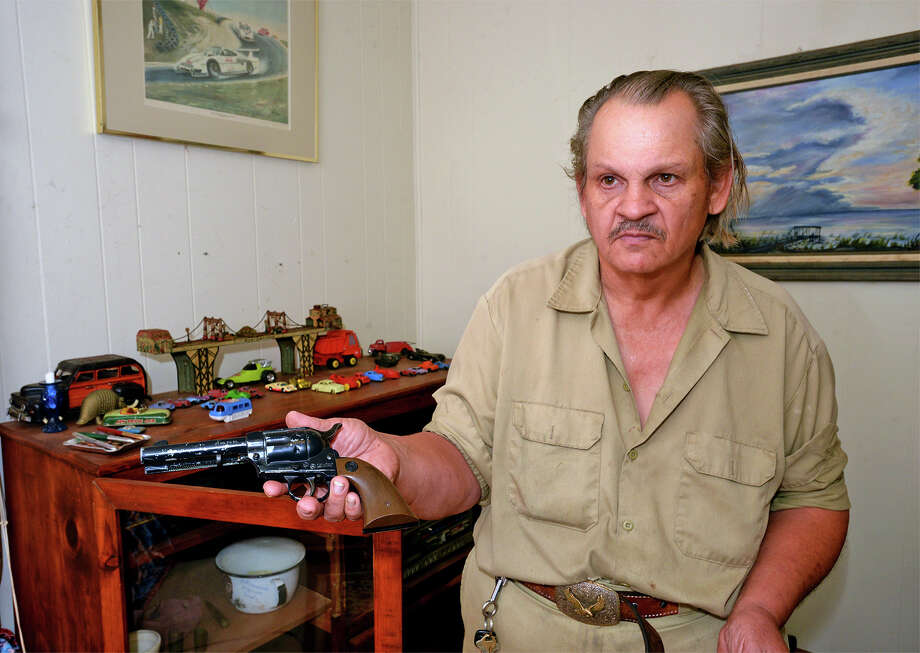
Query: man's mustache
[[642, 225]]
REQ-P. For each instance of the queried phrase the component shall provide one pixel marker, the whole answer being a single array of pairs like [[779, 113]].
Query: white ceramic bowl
[[262, 573], [144, 641]]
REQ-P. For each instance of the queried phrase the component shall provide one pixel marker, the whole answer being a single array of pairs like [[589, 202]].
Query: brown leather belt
[[598, 605]]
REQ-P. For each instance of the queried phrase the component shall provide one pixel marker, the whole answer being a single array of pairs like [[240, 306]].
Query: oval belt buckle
[[589, 603]]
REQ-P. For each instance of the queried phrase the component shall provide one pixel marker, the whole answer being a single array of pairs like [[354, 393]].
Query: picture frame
[[829, 139], [238, 76]]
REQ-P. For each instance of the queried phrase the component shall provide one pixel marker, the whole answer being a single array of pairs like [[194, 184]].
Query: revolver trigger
[[308, 492]]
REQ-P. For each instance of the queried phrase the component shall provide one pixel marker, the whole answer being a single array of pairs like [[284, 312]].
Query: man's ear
[[719, 190]]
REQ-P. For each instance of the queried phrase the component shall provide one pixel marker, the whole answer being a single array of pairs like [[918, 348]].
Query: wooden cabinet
[[66, 538]]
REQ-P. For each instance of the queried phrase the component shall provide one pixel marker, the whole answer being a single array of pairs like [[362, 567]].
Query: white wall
[[498, 86], [103, 235]]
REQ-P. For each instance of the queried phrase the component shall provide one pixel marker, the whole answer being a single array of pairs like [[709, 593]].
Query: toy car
[[301, 383], [371, 375], [216, 61], [419, 370], [387, 360], [434, 366], [282, 386], [229, 410], [236, 393], [391, 347], [130, 415], [387, 372], [258, 369], [353, 382], [409, 371], [163, 404], [422, 355], [330, 386]]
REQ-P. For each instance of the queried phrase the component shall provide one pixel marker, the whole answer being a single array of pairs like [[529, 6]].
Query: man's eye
[[666, 178], [608, 180]]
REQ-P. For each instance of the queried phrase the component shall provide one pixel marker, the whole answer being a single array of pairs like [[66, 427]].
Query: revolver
[[301, 455]]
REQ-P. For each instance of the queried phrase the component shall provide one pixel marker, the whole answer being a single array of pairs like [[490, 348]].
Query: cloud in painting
[[802, 159], [793, 200]]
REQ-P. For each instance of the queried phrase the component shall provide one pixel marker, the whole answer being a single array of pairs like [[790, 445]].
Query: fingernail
[[351, 500], [338, 487]]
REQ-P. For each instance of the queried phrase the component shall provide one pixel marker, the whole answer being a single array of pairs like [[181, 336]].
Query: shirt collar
[[579, 291], [729, 300]]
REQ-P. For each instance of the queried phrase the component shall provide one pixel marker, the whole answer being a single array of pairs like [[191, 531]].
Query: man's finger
[[294, 419], [274, 488], [353, 508], [335, 503], [309, 508]]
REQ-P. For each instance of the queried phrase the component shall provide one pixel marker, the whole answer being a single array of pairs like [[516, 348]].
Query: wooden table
[[65, 537]]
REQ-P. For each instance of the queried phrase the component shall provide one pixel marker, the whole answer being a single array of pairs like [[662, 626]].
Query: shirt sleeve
[[465, 412], [814, 457]]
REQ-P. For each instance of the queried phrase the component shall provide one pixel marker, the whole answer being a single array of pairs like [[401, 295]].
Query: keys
[[485, 640]]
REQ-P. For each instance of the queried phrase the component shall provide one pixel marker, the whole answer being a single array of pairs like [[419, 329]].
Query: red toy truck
[[391, 347], [337, 348]]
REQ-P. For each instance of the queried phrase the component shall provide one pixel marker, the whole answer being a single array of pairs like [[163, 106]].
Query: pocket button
[[628, 525], [633, 454]]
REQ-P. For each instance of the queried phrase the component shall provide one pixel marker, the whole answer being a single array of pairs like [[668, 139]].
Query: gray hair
[[714, 135]]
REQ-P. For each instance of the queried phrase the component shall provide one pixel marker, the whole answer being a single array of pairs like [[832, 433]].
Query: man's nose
[[636, 202]]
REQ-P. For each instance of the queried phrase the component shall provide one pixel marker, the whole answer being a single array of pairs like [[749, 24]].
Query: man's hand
[[751, 630], [355, 440]]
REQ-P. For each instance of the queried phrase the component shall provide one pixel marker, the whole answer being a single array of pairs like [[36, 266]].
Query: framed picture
[[831, 140], [233, 74]]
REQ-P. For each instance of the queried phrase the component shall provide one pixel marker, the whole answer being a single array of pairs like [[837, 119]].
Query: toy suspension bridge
[[194, 354]]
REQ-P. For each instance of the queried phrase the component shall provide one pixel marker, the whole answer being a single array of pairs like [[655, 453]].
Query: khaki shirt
[[573, 487]]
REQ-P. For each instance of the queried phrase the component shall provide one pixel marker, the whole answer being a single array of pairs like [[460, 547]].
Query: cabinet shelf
[[197, 581]]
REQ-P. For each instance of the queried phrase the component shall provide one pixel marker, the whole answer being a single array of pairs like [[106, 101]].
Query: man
[[633, 412]]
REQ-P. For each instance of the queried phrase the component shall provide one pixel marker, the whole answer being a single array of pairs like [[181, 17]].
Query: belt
[[598, 605]]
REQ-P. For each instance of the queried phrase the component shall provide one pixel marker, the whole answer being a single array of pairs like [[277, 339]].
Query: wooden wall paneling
[[342, 158], [313, 251], [377, 176], [397, 250], [165, 250], [120, 246], [224, 263], [56, 70], [23, 339], [278, 242]]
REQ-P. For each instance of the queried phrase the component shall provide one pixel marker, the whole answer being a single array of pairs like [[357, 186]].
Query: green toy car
[[136, 416], [255, 371]]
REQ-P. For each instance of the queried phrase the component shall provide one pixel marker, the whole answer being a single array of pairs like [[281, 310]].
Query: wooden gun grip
[[384, 507]]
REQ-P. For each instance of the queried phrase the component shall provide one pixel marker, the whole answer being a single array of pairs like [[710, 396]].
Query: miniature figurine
[[98, 403], [256, 370]]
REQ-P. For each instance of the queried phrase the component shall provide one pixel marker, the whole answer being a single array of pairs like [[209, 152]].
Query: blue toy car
[[373, 376]]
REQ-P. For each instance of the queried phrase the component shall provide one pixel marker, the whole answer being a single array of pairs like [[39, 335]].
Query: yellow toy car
[[330, 386]]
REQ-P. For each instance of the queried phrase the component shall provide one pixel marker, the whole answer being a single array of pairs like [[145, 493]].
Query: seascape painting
[[832, 164], [222, 58]]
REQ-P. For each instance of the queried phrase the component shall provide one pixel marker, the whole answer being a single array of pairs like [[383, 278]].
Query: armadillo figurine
[[97, 404]]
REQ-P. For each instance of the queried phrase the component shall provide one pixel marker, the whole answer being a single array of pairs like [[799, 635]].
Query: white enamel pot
[[262, 572]]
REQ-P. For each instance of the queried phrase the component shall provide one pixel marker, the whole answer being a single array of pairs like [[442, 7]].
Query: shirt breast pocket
[[555, 464], [723, 500]]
